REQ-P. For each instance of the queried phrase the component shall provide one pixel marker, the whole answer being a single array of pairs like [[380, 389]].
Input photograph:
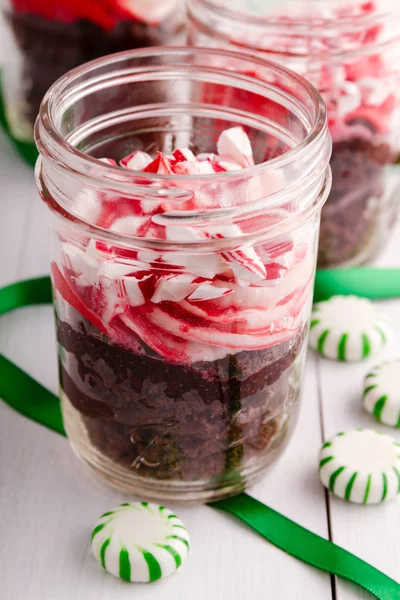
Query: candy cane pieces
[[234, 145], [184, 304]]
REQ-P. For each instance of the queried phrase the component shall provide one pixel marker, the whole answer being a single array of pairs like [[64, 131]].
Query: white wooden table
[[48, 502]]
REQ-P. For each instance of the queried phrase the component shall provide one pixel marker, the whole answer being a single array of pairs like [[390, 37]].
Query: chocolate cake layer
[[185, 422], [354, 212]]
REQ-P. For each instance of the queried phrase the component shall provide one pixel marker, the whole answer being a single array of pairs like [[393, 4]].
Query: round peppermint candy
[[361, 466], [347, 328], [381, 396], [140, 542]]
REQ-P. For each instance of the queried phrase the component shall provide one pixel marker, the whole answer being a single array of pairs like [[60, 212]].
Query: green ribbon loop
[[31, 399], [369, 282]]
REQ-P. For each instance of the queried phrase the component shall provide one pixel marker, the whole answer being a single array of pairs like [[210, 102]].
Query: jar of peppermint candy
[[184, 226], [43, 39], [350, 50]]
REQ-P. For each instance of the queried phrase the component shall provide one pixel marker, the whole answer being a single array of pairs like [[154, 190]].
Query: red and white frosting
[[105, 13], [189, 306]]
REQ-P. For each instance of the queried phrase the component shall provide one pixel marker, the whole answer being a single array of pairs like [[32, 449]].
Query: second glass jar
[[350, 51]]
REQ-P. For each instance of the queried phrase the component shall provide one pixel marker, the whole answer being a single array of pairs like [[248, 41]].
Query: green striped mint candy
[[140, 542], [381, 395], [347, 328], [361, 466]]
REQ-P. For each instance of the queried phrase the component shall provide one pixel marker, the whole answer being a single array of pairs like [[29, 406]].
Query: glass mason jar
[[182, 302], [46, 39], [350, 51]]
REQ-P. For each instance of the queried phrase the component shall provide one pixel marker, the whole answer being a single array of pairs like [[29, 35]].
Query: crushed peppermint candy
[[213, 290]]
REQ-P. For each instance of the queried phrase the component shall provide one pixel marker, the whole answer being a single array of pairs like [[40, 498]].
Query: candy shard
[[207, 291], [246, 264], [174, 288], [160, 165], [228, 165], [184, 154], [234, 144], [137, 161], [152, 12], [108, 161], [131, 287], [349, 99], [132, 225], [374, 91], [87, 206], [82, 263]]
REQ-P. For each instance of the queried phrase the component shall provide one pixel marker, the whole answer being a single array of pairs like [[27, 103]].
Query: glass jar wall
[[182, 300]]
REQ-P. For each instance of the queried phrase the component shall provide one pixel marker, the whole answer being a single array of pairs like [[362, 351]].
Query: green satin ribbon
[[34, 401], [369, 282]]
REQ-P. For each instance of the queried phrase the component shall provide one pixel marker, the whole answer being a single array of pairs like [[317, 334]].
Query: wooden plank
[[369, 532]]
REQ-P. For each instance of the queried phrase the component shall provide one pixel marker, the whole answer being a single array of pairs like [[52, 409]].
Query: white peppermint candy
[[234, 144], [361, 466], [347, 328], [381, 395], [140, 542]]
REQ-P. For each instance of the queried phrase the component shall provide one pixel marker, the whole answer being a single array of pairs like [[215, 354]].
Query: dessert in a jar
[[184, 235], [350, 51], [47, 38]]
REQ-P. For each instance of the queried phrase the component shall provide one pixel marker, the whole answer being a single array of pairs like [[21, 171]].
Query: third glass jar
[[351, 52], [43, 40]]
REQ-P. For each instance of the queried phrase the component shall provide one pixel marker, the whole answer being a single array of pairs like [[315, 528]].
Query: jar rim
[[63, 156], [299, 26], [224, 10], [46, 133]]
